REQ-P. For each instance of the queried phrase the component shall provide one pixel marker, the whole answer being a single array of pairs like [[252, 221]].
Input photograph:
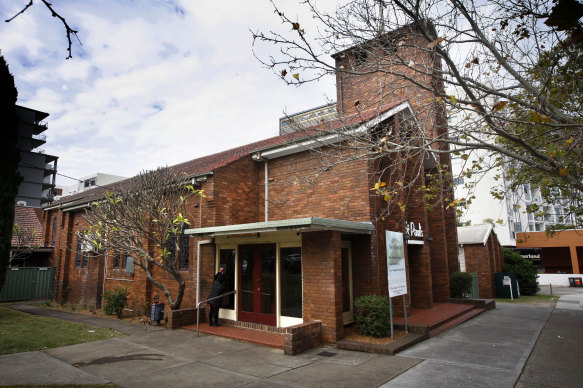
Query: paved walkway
[[494, 349], [156, 357]]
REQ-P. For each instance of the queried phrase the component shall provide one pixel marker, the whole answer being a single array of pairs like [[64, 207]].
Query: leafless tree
[[504, 72], [24, 242], [144, 219], [68, 30]]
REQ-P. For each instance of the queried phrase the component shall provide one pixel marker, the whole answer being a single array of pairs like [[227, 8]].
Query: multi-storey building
[[89, 182], [516, 226], [38, 169]]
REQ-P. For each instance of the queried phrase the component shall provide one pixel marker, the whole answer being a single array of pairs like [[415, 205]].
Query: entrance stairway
[[259, 337], [442, 316]]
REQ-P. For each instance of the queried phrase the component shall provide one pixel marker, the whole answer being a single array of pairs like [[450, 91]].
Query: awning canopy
[[310, 224]]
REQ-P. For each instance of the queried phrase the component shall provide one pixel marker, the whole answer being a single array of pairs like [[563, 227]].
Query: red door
[[257, 283]]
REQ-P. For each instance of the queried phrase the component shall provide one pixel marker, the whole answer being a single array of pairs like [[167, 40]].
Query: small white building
[[89, 182]]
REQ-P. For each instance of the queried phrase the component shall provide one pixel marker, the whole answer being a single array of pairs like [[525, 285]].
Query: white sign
[[506, 281], [412, 231], [396, 264]]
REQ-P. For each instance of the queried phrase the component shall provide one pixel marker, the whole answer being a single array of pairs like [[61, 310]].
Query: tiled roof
[[28, 218], [209, 163]]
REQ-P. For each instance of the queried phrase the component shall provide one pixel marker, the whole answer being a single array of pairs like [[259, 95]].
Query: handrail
[[204, 301]]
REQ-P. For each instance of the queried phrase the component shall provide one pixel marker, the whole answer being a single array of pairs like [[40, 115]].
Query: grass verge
[[22, 332], [531, 299]]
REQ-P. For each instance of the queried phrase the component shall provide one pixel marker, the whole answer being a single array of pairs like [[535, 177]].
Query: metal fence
[[27, 283]]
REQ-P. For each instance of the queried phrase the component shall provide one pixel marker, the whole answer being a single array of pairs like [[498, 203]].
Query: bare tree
[[68, 30], [144, 219], [493, 67], [24, 242]]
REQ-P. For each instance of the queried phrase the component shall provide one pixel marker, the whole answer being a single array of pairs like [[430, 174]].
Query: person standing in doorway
[[217, 289]]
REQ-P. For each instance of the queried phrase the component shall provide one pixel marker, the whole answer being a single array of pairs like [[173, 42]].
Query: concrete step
[[270, 339], [438, 329]]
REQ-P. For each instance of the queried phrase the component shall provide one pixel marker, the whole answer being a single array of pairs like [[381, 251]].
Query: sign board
[[396, 264], [506, 281], [533, 254]]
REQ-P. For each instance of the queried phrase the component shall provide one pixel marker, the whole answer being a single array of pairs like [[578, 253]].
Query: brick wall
[[299, 187], [322, 282], [487, 260]]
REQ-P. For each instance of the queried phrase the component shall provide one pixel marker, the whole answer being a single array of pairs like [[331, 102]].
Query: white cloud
[[155, 83]]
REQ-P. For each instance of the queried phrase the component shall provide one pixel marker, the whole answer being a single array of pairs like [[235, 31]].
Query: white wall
[[562, 279]]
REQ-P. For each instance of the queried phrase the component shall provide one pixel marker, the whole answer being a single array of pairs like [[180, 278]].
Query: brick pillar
[[322, 282], [439, 255]]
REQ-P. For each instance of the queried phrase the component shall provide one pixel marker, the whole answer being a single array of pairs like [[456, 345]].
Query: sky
[[154, 83]]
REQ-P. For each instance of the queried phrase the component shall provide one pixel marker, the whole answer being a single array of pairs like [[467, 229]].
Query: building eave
[[309, 224], [312, 142]]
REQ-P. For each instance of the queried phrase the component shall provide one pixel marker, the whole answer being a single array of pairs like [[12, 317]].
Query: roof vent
[[21, 203]]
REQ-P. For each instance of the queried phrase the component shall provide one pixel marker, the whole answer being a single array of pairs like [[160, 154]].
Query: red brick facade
[[487, 260], [235, 194]]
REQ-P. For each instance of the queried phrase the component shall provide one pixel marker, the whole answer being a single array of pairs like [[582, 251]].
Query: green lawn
[[22, 332], [531, 299]]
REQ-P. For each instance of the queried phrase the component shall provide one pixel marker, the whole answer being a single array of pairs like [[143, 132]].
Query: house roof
[[207, 164], [28, 218], [477, 234]]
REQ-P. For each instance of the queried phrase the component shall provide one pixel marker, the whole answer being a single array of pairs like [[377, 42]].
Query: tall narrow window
[[85, 259], [291, 281], [116, 259], [78, 255], [171, 246], [227, 260], [54, 237], [184, 248]]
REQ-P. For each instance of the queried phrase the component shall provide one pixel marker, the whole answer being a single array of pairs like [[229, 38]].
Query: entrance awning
[[310, 224]]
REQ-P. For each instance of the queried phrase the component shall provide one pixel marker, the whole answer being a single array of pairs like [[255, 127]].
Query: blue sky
[[155, 82]]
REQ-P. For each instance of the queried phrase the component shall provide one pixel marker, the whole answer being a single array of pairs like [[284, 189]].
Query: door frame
[[256, 316], [348, 316]]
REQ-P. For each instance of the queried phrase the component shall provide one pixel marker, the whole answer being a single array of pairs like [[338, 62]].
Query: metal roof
[[295, 224], [477, 234]]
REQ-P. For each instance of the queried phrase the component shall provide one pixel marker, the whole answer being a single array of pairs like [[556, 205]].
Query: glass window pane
[[247, 287], [227, 260], [291, 282], [268, 280]]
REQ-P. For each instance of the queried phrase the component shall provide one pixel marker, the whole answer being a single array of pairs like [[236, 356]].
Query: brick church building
[[300, 240]]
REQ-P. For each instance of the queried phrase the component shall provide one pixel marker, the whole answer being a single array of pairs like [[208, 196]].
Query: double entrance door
[[257, 276]]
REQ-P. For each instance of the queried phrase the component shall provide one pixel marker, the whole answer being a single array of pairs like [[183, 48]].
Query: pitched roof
[[209, 163], [477, 234], [28, 218]]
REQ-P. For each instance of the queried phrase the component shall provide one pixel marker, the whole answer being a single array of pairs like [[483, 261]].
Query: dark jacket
[[217, 289]]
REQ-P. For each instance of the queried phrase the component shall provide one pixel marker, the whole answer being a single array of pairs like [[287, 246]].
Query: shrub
[[371, 313], [525, 272], [460, 285], [115, 301]]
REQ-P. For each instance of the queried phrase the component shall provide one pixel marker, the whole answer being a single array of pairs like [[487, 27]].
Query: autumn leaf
[[283, 72], [453, 99], [563, 172], [498, 105], [569, 141], [356, 102], [296, 26], [435, 42], [297, 76]]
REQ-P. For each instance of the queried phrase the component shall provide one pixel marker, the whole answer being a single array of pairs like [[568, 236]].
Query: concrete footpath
[[514, 344]]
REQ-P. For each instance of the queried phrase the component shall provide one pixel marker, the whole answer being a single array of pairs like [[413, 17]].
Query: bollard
[[550, 285]]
